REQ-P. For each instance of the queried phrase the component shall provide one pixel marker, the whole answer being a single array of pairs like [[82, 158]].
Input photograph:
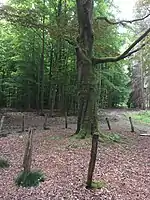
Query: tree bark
[[87, 122], [42, 65], [92, 160], [28, 153], [42, 71]]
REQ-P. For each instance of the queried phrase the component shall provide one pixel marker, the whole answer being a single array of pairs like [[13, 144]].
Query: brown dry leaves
[[124, 167]]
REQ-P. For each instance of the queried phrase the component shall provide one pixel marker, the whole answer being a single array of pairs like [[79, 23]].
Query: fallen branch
[[145, 134]]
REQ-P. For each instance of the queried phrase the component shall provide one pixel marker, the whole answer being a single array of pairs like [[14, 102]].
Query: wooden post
[[1, 123], [92, 160], [45, 122], [23, 122], [28, 153], [66, 121], [108, 123], [132, 127]]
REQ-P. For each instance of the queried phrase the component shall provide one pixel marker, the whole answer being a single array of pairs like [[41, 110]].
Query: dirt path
[[119, 120]]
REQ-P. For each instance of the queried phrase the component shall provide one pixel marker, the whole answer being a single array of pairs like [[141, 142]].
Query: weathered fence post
[[108, 123], [1, 123], [92, 160], [132, 127], [28, 153], [23, 123], [45, 122], [66, 121]]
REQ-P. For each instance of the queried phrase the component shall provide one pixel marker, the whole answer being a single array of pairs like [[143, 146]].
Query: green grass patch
[[30, 179], [143, 116], [4, 163], [98, 184]]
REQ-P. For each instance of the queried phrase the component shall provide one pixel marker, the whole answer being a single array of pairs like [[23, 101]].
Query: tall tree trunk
[[87, 122], [50, 76], [38, 91], [142, 82], [2, 101], [42, 70]]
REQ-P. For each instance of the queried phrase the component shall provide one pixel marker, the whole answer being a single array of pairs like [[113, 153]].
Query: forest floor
[[124, 167]]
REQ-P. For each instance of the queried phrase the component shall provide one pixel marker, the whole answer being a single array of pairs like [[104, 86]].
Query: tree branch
[[125, 54], [122, 22]]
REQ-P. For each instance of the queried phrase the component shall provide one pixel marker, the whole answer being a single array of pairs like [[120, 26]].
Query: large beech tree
[[87, 120]]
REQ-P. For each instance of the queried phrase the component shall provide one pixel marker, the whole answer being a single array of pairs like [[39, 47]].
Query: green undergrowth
[[103, 137], [81, 136], [4, 163], [98, 184], [110, 137], [29, 179], [143, 116], [75, 142]]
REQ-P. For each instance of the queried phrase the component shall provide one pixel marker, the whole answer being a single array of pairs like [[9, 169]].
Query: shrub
[[29, 179], [3, 163], [98, 184]]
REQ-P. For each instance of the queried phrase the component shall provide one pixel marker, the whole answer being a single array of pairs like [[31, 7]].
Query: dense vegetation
[[39, 71], [57, 55]]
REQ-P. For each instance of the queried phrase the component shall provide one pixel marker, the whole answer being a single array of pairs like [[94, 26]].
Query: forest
[[74, 79]]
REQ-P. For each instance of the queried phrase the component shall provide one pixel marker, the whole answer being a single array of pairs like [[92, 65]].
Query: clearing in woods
[[124, 166]]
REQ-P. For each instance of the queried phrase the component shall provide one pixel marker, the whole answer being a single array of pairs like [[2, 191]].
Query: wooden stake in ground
[[23, 122], [66, 121], [1, 123], [45, 122], [92, 160], [108, 123], [132, 127], [28, 153]]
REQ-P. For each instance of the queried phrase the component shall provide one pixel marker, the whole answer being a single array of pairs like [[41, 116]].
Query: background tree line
[[38, 66]]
